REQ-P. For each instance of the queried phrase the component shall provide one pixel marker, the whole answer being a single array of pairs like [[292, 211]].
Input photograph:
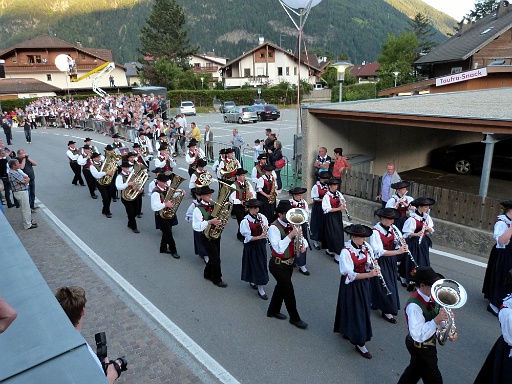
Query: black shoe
[[279, 316], [305, 273], [32, 226], [253, 286], [135, 230], [221, 284], [207, 277], [264, 296], [109, 215], [139, 215], [175, 255], [489, 309], [317, 247], [165, 251], [82, 185], [366, 355], [410, 287], [392, 320], [403, 284], [299, 324], [17, 205], [94, 196], [329, 254], [114, 200], [10, 205]]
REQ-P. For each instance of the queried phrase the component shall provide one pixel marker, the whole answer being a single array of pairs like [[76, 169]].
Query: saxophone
[[221, 211], [168, 213], [110, 164], [140, 176], [273, 193]]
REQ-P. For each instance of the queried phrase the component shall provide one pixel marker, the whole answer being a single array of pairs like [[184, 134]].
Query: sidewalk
[[153, 355]]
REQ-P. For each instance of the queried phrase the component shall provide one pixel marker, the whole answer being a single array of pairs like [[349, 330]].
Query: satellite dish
[[64, 63], [300, 4]]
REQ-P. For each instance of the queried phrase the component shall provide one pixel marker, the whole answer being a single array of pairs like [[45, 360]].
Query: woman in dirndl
[[498, 279], [254, 227], [416, 230], [317, 214], [332, 205], [266, 188], [353, 309]]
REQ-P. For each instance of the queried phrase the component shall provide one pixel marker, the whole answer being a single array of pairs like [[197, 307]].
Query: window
[[48, 77], [30, 59], [197, 65], [279, 71], [38, 59], [83, 56], [456, 70], [270, 54], [262, 55], [14, 59], [287, 71], [295, 71], [247, 72]]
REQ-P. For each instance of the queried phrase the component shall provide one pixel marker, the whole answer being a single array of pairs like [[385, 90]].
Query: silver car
[[241, 114]]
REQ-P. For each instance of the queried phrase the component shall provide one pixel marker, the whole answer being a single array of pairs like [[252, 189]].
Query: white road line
[[190, 345], [460, 258]]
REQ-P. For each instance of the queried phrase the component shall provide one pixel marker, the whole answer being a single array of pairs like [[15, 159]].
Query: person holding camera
[[27, 165], [72, 300]]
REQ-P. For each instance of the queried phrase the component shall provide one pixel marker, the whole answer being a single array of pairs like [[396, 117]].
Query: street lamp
[[341, 66], [396, 73], [202, 79]]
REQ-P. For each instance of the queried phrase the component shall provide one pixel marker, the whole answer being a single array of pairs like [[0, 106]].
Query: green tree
[[423, 30], [164, 35], [398, 54], [482, 9]]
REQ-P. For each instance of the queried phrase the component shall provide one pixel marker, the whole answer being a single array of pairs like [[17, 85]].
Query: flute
[[402, 243], [346, 210], [376, 266]]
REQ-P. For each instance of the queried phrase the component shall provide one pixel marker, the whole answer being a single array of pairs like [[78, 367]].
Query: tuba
[[297, 217], [221, 211], [110, 164], [448, 294], [140, 176], [205, 179], [230, 167], [168, 213]]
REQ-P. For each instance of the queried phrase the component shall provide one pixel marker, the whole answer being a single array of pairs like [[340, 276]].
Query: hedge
[[353, 92]]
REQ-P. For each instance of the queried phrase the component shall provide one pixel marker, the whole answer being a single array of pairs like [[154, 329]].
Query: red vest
[[388, 242], [240, 191], [335, 201], [359, 264], [322, 190], [419, 225], [267, 185], [256, 228]]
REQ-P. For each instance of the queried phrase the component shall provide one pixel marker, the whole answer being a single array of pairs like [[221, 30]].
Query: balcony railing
[[213, 68]]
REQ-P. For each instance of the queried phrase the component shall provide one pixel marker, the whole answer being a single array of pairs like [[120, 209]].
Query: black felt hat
[[333, 180], [125, 164], [71, 142], [425, 275], [253, 203], [116, 136], [192, 143], [269, 167], [162, 135], [130, 154], [222, 151], [163, 177], [388, 213], [86, 146], [422, 201], [229, 150], [507, 204], [94, 155], [163, 147], [157, 170], [136, 145], [204, 190], [358, 230], [297, 191], [400, 184], [262, 156], [283, 206], [240, 171], [324, 175], [201, 163], [109, 148], [87, 139]]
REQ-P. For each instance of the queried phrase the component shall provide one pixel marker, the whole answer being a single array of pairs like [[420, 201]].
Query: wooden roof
[[23, 85]]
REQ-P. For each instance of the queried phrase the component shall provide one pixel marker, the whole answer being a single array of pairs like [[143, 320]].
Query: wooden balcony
[[212, 68]]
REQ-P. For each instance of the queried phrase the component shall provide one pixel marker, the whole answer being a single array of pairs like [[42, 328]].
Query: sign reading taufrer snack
[[461, 76]]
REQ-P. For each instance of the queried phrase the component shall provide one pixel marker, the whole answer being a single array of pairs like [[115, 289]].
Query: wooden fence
[[453, 206]]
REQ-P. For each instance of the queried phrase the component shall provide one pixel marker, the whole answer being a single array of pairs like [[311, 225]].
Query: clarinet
[[402, 242], [375, 265], [346, 211]]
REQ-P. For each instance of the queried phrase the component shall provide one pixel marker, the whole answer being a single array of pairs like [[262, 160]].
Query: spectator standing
[[4, 175], [208, 143], [7, 130], [257, 147], [19, 184], [26, 165], [390, 177], [195, 133], [237, 143], [26, 130], [340, 163], [111, 80], [322, 161], [277, 155], [182, 121]]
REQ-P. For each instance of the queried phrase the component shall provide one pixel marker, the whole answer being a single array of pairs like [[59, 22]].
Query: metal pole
[[340, 97], [301, 10], [486, 168]]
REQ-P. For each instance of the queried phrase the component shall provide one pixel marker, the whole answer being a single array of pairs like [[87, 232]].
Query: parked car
[[469, 158], [268, 112], [187, 108], [241, 114], [259, 102], [226, 106]]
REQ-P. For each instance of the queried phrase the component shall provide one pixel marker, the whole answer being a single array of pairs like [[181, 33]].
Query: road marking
[[460, 258], [190, 345]]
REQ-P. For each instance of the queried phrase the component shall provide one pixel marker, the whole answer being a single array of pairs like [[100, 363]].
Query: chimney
[[503, 7], [465, 25], [79, 44], [261, 40]]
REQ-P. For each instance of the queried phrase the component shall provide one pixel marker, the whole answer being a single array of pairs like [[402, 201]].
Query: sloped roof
[[209, 58], [131, 68], [365, 70], [462, 46], [23, 85], [277, 48], [105, 54]]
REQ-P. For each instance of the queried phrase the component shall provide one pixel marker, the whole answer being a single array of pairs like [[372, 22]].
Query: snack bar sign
[[462, 76]]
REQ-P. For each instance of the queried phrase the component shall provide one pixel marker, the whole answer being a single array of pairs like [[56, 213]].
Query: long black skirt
[[386, 303], [399, 223], [198, 245], [254, 262], [497, 368], [266, 209], [489, 272], [500, 284], [317, 222], [334, 239], [420, 253], [353, 311]]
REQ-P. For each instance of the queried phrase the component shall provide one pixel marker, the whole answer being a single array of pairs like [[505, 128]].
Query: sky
[[454, 8]]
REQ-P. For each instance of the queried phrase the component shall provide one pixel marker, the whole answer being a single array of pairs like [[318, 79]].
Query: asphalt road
[[230, 324]]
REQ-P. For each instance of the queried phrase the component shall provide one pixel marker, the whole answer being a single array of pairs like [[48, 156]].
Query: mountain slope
[[229, 27]]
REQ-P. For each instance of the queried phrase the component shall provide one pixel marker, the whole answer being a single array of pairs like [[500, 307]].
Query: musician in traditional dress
[[317, 214], [216, 164], [497, 368], [73, 155], [243, 192], [88, 141], [198, 244], [139, 158], [416, 230], [167, 243], [386, 246], [333, 203], [399, 200], [106, 195], [423, 319], [297, 201], [201, 218], [162, 140], [130, 206], [117, 144], [228, 167], [282, 237], [111, 151], [193, 154], [145, 145], [254, 228], [266, 192], [84, 160], [164, 159], [496, 285], [353, 310]]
